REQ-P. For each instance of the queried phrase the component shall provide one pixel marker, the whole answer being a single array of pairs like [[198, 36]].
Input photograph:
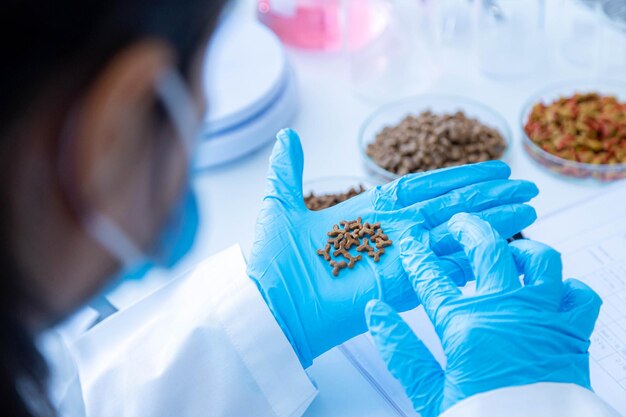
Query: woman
[[97, 143]]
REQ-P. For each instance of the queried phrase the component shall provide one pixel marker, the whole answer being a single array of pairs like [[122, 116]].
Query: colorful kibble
[[588, 128]]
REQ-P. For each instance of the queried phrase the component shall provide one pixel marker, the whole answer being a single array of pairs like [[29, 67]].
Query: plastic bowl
[[393, 113], [566, 167]]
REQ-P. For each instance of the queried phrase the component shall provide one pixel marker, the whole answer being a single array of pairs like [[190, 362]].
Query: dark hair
[[63, 44]]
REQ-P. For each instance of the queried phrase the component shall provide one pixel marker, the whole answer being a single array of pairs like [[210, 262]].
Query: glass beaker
[[320, 24], [613, 49], [396, 60], [579, 37], [509, 34], [308, 24], [454, 20]]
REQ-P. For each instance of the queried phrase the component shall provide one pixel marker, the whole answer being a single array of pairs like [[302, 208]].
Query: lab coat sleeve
[[204, 345], [536, 400]]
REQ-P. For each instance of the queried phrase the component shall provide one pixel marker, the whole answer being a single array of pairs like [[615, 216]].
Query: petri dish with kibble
[[429, 132], [577, 129], [326, 192]]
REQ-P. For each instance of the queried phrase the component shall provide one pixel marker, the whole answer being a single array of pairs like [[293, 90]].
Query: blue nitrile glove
[[318, 311], [509, 333]]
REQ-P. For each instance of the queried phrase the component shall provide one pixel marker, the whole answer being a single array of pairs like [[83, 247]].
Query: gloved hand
[[318, 311], [509, 333]]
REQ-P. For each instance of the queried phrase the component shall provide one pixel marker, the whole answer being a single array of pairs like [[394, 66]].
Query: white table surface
[[328, 121]]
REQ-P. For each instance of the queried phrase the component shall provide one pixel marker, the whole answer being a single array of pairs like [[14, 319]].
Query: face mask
[[173, 243], [178, 235]]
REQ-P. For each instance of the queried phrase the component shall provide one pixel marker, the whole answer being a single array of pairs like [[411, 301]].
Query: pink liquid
[[317, 24]]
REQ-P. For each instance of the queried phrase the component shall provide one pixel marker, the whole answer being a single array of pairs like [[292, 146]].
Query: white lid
[[243, 139], [244, 71]]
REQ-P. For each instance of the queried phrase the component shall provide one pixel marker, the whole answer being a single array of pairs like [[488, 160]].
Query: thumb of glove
[[284, 179]]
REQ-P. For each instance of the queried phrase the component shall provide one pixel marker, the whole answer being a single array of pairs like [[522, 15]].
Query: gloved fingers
[[413, 188], [539, 263], [475, 198], [488, 254], [284, 178], [406, 357], [394, 287], [457, 267], [507, 220], [434, 289], [582, 306]]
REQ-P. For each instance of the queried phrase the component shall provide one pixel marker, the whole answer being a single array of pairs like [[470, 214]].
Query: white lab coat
[[207, 345]]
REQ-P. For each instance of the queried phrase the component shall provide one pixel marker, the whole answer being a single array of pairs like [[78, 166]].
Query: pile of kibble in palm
[[318, 202], [349, 241], [588, 128], [431, 141]]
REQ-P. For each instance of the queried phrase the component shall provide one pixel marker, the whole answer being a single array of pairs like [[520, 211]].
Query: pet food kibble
[[351, 240], [431, 141], [588, 128], [325, 252], [335, 232], [354, 260], [337, 266], [364, 247], [354, 235], [382, 243], [336, 241], [318, 202], [376, 255]]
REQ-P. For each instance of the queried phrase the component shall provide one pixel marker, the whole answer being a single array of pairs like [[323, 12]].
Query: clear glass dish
[[393, 113], [563, 166]]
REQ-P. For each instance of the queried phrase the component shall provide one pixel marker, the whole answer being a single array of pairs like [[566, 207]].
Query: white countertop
[[328, 121]]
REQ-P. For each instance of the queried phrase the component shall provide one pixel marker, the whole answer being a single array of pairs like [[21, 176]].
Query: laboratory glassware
[[397, 59], [579, 34], [308, 24], [613, 18], [318, 24], [510, 36]]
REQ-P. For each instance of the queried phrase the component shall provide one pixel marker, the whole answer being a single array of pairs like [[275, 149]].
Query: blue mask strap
[[181, 108]]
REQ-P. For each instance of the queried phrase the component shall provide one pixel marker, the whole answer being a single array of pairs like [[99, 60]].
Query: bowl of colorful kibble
[[578, 129], [429, 132]]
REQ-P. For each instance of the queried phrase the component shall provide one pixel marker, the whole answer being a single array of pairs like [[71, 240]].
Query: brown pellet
[[337, 266], [376, 255], [325, 252], [335, 232], [383, 243], [336, 241], [353, 261]]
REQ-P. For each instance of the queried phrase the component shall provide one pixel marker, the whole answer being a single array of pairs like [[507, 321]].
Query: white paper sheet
[[591, 235]]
